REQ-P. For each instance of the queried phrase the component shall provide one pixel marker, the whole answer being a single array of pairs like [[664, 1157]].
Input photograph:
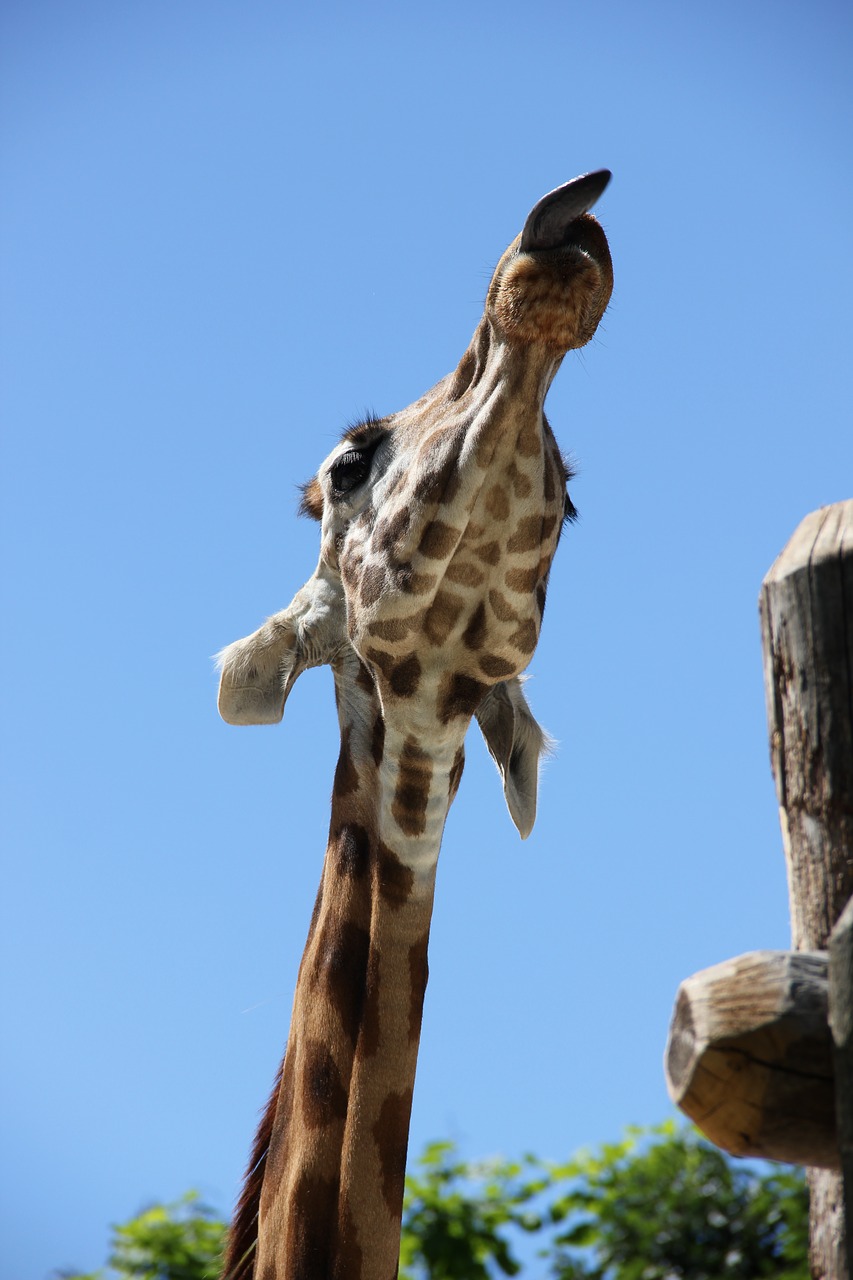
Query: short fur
[[438, 526]]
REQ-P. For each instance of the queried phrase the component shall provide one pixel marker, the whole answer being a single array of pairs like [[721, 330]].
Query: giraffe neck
[[438, 527], [483, 369], [336, 1133]]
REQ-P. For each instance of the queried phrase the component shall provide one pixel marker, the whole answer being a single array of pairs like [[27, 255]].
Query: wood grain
[[806, 608]]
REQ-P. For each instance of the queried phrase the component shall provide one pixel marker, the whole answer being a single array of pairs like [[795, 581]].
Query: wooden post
[[841, 1023], [760, 1050], [806, 608]]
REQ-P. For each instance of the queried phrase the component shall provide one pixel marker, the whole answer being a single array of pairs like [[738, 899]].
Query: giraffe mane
[[239, 1262]]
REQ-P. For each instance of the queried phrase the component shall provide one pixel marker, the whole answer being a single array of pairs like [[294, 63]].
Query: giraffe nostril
[[548, 222]]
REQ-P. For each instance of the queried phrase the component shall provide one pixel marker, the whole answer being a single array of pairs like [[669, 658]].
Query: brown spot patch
[[501, 607], [529, 441], [529, 534], [459, 695], [540, 598], [411, 794], [488, 552], [522, 581], [484, 451], [391, 1132], [525, 636], [521, 483], [497, 502], [552, 479], [350, 570], [394, 878], [418, 977], [390, 529], [463, 573], [352, 851], [369, 1041], [372, 583], [381, 660], [365, 678], [313, 1206], [474, 635], [405, 676], [346, 774], [415, 584], [348, 1255], [438, 540], [497, 668], [442, 616], [324, 1098], [440, 481], [342, 968], [394, 629]]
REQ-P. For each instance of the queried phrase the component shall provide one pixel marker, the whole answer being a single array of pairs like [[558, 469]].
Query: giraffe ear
[[257, 673], [515, 742]]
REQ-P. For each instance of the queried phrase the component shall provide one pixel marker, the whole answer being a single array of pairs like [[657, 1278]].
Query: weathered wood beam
[[749, 1057], [841, 1025], [806, 607]]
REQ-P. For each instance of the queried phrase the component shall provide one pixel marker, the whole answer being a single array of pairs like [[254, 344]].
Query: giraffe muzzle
[[548, 224]]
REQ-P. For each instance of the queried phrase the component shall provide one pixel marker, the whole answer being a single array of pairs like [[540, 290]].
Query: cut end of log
[[749, 1057]]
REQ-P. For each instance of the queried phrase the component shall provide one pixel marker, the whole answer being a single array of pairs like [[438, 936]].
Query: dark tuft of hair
[[239, 1262], [570, 511], [311, 501], [365, 429]]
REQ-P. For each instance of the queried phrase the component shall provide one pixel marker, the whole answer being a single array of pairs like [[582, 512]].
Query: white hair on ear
[[258, 672], [548, 744]]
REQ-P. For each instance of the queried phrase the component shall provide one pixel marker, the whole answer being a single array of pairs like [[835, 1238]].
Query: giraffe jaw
[[552, 285]]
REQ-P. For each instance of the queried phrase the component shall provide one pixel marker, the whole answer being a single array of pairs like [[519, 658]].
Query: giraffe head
[[439, 523]]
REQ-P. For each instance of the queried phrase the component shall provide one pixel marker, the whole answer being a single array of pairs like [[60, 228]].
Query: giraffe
[[438, 525]]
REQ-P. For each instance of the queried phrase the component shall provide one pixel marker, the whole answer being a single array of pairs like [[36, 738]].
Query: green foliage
[[455, 1214], [663, 1204], [180, 1241], [666, 1204]]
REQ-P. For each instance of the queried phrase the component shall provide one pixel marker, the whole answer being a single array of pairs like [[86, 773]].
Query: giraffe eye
[[350, 470]]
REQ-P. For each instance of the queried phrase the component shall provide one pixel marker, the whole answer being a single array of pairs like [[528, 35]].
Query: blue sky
[[226, 231]]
